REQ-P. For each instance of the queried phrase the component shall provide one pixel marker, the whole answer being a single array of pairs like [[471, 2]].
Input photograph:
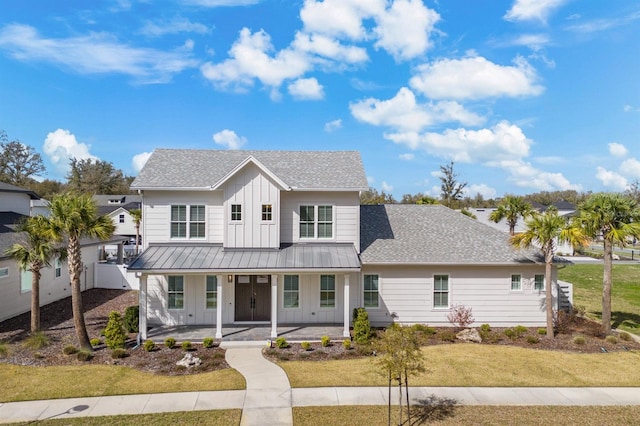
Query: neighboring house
[[279, 237], [15, 285], [118, 208]]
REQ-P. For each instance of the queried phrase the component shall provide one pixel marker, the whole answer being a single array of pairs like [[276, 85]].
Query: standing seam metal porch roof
[[211, 257]]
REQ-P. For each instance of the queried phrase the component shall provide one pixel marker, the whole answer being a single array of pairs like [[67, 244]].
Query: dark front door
[[253, 298]]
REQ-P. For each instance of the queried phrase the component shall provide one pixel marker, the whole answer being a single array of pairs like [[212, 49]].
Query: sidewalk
[[268, 398]]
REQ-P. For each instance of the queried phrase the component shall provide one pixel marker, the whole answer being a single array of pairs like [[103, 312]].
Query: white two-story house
[[279, 237]]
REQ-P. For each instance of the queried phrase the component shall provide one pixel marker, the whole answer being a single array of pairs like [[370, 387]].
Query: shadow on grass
[[432, 409], [626, 319]]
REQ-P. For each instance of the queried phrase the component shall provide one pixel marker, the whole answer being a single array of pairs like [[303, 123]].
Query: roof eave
[[241, 165]]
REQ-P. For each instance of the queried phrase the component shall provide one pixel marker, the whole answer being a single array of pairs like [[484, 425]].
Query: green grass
[[625, 292], [214, 418], [480, 365], [21, 383]]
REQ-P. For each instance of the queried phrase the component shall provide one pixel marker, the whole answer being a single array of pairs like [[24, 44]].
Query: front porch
[[247, 332]]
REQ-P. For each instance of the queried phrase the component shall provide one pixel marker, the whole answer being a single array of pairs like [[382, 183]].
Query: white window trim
[[184, 294], [289, 308], [315, 237], [208, 309], [335, 293], [273, 213], [6, 275], [433, 292], [373, 308], [242, 213], [511, 289], [188, 223], [544, 283]]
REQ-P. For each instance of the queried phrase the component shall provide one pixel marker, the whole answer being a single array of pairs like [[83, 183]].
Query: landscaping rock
[[188, 360], [469, 335]]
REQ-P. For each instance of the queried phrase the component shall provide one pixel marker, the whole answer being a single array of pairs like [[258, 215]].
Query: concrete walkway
[[268, 398]]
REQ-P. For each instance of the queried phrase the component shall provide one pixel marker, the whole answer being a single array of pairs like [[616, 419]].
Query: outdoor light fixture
[[229, 278]]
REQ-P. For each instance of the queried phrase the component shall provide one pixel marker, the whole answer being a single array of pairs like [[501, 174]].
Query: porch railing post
[[345, 332], [219, 306], [142, 303], [274, 306]]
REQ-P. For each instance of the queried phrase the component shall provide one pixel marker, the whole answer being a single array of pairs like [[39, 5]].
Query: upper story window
[[267, 212], [316, 221], [121, 218], [538, 282], [236, 212], [191, 225], [516, 282]]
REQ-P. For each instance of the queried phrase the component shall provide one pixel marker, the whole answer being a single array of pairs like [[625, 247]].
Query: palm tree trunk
[[606, 287], [35, 300], [75, 268], [549, 293]]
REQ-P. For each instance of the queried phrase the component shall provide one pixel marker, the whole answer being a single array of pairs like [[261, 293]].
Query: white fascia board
[[258, 164]]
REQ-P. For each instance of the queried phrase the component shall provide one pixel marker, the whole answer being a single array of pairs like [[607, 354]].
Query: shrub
[[148, 345], [521, 330], [611, 339], [4, 349], [170, 342], [282, 343], [118, 353], [346, 343], [114, 333], [579, 340], [186, 345], [625, 336], [69, 350], [485, 327], [84, 355], [461, 316], [95, 341], [424, 329], [132, 318], [208, 342], [532, 340], [542, 331], [326, 341], [511, 333], [447, 336], [37, 341], [305, 345], [362, 327]]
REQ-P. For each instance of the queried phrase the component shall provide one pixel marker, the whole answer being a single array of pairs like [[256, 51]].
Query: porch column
[[274, 306], [219, 305], [347, 314], [142, 303]]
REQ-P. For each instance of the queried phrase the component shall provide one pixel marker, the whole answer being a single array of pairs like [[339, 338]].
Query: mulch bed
[[57, 324]]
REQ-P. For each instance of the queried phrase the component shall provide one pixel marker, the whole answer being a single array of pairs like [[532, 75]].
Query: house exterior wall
[[15, 202], [406, 293], [126, 228], [251, 189]]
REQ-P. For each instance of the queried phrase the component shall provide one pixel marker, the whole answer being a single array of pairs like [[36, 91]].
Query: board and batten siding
[[406, 293], [346, 215], [250, 188], [156, 214]]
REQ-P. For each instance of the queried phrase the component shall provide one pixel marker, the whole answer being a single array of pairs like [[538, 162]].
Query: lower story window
[[538, 282], [440, 291], [58, 267], [26, 278], [291, 296], [327, 291], [371, 290], [516, 282], [212, 292], [176, 292], [4, 272]]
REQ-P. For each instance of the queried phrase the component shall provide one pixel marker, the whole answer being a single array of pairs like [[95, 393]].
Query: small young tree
[[362, 327], [114, 334], [398, 357]]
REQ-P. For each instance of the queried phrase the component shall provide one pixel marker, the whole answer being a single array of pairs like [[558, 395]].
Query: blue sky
[[523, 95]]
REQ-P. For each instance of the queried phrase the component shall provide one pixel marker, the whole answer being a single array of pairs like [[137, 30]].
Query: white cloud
[[306, 89], [611, 179], [604, 23], [139, 160], [229, 139], [504, 141], [96, 53], [386, 187], [524, 175], [219, 3], [528, 10], [329, 48], [249, 60], [534, 42], [370, 180], [404, 113], [339, 18], [482, 189], [617, 150], [475, 78], [333, 125], [174, 26], [407, 156], [631, 167], [61, 146], [403, 30]]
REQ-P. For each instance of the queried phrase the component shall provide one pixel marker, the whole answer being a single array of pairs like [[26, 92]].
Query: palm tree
[[544, 230], [614, 218], [32, 254], [136, 215], [75, 216], [511, 208]]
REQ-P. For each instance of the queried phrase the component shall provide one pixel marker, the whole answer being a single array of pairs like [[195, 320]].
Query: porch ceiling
[[207, 257]]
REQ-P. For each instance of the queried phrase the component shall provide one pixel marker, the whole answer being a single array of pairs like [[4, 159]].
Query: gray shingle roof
[[205, 257], [191, 168], [432, 234], [7, 187]]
